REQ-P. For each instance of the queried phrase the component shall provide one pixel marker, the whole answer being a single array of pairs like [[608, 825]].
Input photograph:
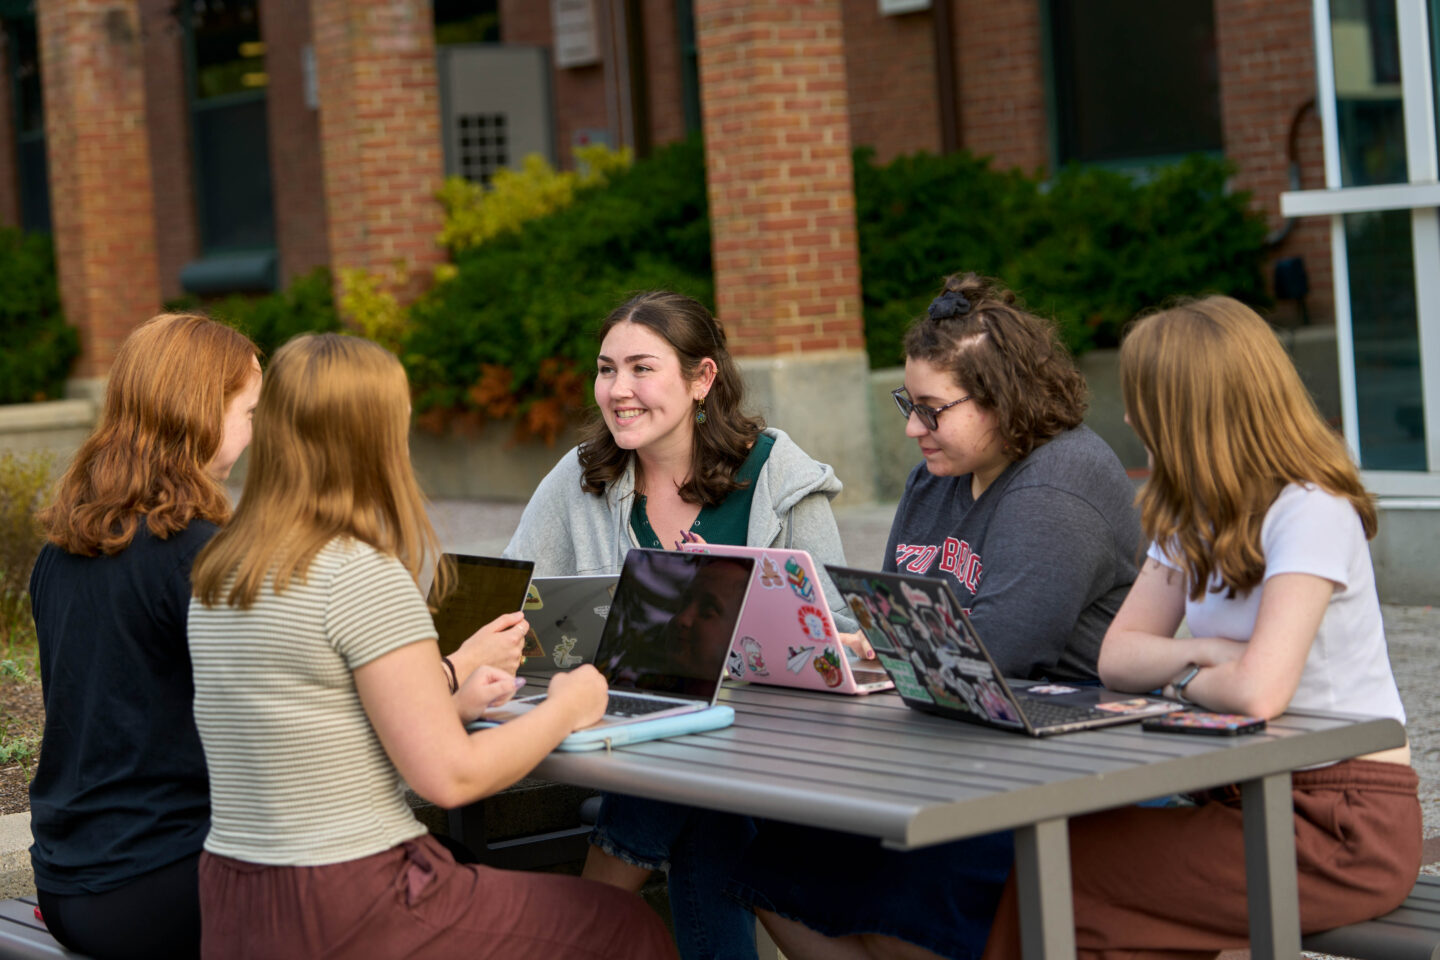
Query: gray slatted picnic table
[[871, 766]]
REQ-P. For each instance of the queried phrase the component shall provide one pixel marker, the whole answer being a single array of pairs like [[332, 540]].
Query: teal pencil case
[[711, 718]]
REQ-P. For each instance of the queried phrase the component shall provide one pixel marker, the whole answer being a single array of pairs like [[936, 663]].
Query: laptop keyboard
[[623, 706], [1047, 713]]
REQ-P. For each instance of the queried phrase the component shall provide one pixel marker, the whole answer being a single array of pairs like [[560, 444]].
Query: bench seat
[[23, 937], [1410, 932]]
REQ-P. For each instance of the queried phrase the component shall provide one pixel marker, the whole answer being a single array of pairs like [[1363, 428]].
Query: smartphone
[[1205, 724]]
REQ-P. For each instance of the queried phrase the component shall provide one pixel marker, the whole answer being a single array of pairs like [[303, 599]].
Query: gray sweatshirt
[[569, 532]]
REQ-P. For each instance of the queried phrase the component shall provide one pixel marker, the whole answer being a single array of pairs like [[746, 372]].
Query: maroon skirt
[[414, 900]]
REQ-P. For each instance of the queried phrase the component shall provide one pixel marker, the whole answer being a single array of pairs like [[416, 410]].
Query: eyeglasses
[[929, 416]]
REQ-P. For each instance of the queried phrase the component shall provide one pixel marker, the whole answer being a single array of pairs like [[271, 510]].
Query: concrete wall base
[[16, 877]]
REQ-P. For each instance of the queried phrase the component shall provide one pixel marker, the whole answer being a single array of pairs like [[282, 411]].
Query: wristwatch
[[1179, 685]]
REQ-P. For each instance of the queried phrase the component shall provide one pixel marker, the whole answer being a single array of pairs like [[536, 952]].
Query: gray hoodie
[[569, 532]]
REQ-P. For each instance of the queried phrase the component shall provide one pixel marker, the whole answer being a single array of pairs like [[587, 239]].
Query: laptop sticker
[[814, 625], [602, 612], [997, 707], [799, 656], [532, 646], [1124, 706], [829, 666], [533, 600], [564, 659], [906, 683], [770, 577], [1051, 689], [876, 630], [799, 581], [754, 656], [735, 665]]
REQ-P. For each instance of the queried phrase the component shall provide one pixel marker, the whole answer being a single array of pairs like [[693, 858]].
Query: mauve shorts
[[414, 900], [1170, 883]]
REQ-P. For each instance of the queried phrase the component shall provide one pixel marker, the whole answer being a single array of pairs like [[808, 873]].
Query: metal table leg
[[1271, 888], [1042, 879]]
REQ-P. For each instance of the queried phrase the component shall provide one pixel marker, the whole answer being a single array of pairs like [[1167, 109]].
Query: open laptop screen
[[485, 587], [672, 621]]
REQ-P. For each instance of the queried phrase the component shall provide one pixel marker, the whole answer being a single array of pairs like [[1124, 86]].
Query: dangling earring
[[700, 413]]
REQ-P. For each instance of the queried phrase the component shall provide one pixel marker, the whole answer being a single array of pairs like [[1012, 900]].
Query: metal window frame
[[1421, 196]]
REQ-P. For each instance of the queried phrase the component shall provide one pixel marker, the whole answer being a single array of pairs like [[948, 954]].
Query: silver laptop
[[928, 645], [567, 618], [665, 643]]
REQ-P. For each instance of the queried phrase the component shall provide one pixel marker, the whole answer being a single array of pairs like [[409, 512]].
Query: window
[[23, 53], [1133, 80], [466, 21], [227, 107]]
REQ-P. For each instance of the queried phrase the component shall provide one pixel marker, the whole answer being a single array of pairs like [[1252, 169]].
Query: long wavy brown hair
[[331, 458], [1011, 361], [160, 426], [722, 443], [1216, 400]]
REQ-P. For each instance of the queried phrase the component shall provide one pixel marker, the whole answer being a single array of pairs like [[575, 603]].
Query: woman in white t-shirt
[[319, 686], [1258, 525]]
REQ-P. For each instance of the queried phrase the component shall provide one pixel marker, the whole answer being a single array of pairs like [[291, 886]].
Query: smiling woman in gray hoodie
[[672, 456]]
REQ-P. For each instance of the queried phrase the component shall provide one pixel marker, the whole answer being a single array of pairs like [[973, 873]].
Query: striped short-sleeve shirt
[[298, 776]]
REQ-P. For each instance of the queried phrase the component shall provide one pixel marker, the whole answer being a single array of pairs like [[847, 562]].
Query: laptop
[[567, 618], [484, 588], [665, 642], [787, 637], [925, 640]]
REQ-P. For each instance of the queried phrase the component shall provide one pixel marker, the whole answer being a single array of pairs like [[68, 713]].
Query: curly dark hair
[[723, 442], [1011, 361]]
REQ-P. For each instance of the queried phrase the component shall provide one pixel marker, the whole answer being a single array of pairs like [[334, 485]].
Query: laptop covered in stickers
[[670, 626], [926, 642], [787, 637], [567, 618]]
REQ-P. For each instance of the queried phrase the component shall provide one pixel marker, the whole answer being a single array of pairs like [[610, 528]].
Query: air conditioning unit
[[495, 107]]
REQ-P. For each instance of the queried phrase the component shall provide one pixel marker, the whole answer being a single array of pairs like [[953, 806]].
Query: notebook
[[664, 647], [787, 637], [484, 588], [926, 642], [567, 617]]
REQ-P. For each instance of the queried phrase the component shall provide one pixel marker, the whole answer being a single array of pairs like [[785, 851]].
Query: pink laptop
[[786, 636]]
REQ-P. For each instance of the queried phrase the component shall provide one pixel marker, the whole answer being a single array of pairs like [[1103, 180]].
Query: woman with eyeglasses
[[1029, 516]]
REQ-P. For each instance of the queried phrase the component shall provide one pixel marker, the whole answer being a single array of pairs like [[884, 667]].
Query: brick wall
[[172, 161], [102, 206], [777, 143], [1000, 81], [9, 172], [579, 92], [666, 99], [298, 180], [380, 133], [890, 67], [1267, 71]]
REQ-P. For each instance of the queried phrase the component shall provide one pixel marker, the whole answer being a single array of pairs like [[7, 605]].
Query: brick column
[[101, 202], [782, 212], [172, 159], [9, 174], [379, 133], [1000, 80]]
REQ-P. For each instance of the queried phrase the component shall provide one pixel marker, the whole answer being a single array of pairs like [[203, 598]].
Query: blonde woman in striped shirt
[[319, 688]]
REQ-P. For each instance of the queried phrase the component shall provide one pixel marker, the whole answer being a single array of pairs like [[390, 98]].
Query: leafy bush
[[24, 483], [307, 305], [513, 333], [1092, 250], [37, 347], [475, 214]]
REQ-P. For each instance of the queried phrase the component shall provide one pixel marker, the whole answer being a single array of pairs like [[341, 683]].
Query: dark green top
[[726, 522]]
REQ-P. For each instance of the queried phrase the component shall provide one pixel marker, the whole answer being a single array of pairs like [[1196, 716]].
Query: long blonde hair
[[330, 459], [160, 426], [1216, 400]]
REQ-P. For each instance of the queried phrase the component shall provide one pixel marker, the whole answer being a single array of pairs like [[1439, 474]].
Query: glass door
[[1377, 97]]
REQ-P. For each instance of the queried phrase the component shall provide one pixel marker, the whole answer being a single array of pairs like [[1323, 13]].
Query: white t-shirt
[[298, 776], [1307, 530]]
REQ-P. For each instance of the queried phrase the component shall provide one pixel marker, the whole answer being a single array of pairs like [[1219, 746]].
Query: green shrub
[[307, 305], [37, 346], [1091, 247], [513, 333], [24, 482]]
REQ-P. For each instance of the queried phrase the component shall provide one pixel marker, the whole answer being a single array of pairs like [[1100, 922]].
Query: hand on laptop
[[485, 687], [857, 644], [582, 691], [497, 644]]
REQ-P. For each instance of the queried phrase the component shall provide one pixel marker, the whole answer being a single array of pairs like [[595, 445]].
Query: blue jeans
[[698, 850]]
